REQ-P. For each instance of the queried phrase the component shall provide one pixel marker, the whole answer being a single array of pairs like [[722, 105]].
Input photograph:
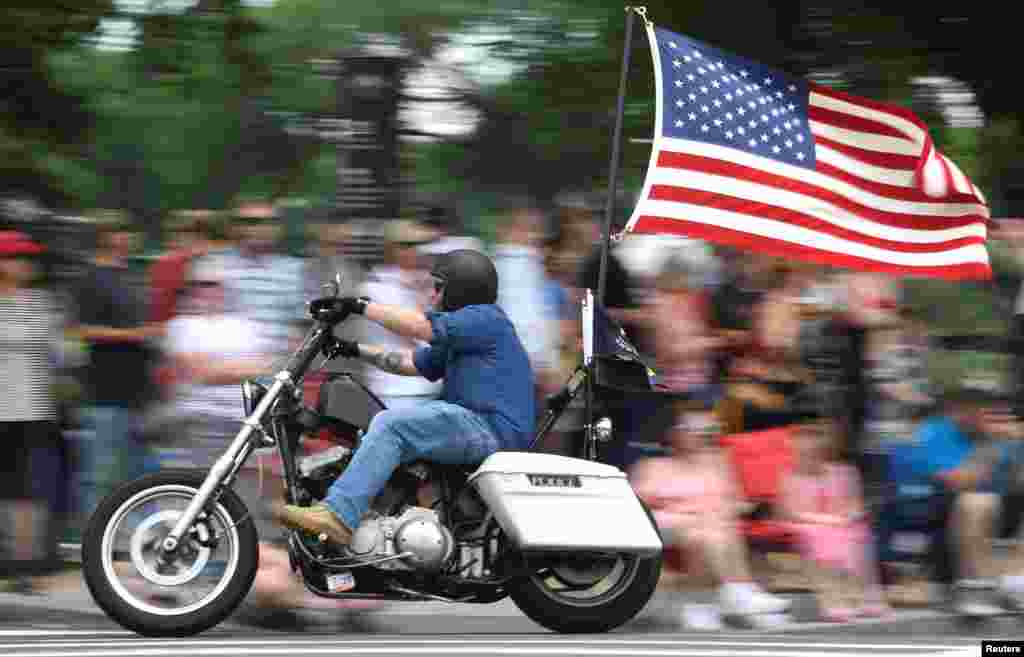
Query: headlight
[[252, 393], [603, 429]]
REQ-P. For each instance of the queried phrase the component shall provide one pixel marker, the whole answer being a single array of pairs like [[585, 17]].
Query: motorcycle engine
[[417, 531]]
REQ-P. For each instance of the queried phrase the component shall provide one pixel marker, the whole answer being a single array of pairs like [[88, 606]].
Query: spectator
[[769, 378], [265, 284], [112, 322], [684, 345], [523, 285], [695, 502], [328, 259], [29, 334], [400, 281], [822, 500], [897, 394], [189, 239], [449, 237], [213, 348], [871, 300], [943, 481]]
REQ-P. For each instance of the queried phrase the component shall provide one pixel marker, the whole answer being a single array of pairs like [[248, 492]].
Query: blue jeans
[[435, 431], [111, 453]]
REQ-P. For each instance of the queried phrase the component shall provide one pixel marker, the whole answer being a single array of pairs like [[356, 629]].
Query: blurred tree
[[43, 124]]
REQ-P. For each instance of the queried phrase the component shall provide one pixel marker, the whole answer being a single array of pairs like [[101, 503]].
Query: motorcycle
[[174, 553]]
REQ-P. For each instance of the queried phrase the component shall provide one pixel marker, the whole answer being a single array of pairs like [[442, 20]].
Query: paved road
[[32, 626]]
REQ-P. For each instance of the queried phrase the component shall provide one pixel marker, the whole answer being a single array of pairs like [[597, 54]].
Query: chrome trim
[[226, 465]]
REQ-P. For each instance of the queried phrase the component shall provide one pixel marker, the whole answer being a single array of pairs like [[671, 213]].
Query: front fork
[[228, 464]]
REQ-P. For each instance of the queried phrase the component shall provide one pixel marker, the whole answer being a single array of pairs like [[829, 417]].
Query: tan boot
[[317, 520]]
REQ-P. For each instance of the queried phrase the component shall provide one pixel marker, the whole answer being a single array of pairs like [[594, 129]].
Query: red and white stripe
[[881, 198]]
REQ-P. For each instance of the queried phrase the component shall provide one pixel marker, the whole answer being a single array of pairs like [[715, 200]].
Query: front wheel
[[197, 588], [588, 594]]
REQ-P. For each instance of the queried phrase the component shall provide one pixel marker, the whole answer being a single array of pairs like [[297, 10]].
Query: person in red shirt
[[190, 238]]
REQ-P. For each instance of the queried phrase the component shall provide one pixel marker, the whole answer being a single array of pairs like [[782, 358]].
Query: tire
[[544, 607], [534, 599], [235, 526]]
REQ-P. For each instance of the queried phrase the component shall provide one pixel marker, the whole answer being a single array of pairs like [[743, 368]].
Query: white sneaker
[[746, 600], [771, 604], [977, 608], [973, 598], [770, 621], [701, 618], [1011, 592]]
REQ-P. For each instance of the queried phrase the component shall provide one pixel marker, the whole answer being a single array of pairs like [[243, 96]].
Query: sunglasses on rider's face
[[438, 285]]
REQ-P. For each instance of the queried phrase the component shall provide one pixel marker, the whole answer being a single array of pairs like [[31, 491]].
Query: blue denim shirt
[[485, 369]]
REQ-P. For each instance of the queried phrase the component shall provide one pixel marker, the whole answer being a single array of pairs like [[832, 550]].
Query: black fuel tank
[[346, 400]]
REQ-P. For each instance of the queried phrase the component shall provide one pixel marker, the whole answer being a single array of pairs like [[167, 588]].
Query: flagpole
[[613, 167], [606, 236]]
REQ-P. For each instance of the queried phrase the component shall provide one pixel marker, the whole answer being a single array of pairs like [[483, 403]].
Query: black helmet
[[469, 279]]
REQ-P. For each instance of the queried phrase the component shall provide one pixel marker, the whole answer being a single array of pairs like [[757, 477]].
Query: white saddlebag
[[546, 502]]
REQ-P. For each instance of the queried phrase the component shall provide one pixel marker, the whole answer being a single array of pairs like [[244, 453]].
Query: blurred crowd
[[119, 370]]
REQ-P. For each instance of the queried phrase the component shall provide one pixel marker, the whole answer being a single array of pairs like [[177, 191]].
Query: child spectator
[[822, 499], [694, 500]]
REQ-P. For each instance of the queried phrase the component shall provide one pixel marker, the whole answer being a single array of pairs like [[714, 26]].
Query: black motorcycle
[[174, 553]]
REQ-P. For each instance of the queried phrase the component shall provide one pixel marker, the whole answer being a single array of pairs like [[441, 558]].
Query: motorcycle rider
[[486, 404]]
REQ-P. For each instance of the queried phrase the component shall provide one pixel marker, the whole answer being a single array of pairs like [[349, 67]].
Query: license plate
[[341, 582], [555, 481]]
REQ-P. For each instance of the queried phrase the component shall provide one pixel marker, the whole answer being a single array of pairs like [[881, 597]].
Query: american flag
[[747, 156]]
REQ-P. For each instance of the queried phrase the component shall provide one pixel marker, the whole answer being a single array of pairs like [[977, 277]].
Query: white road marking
[[323, 642], [493, 650], [56, 632]]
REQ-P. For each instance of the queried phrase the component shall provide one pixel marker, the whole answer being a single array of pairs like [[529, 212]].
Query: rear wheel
[[200, 585], [588, 594]]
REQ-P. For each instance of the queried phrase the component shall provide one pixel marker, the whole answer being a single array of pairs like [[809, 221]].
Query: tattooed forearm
[[394, 362]]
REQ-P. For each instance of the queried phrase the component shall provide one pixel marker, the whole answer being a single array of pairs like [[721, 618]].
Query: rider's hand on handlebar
[[337, 309]]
